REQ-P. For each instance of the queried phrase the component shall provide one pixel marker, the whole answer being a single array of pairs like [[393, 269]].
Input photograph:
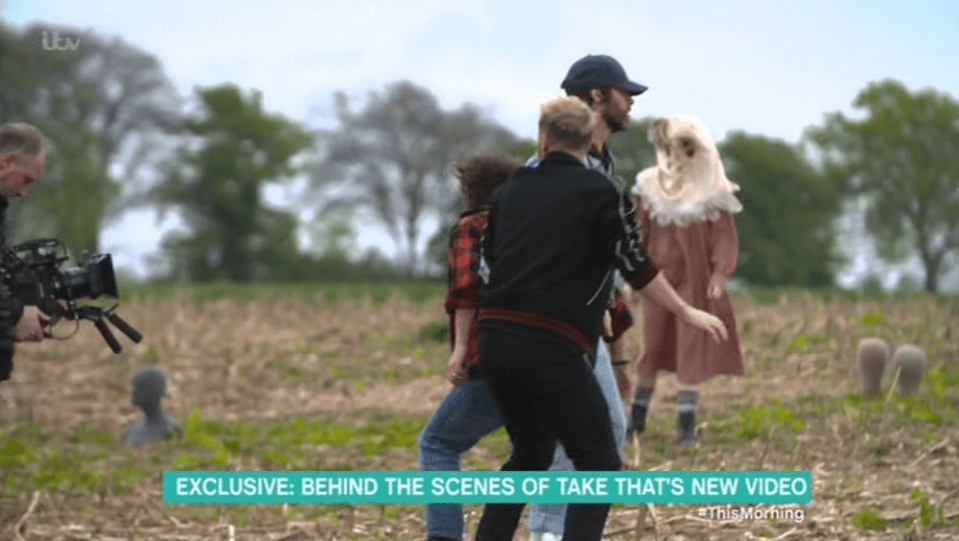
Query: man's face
[[615, 110], [18, 172]]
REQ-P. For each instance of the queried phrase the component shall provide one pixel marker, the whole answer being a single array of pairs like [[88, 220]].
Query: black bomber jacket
[[555, 234]]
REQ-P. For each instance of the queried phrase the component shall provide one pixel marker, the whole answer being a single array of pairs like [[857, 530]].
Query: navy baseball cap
[[599, 71]]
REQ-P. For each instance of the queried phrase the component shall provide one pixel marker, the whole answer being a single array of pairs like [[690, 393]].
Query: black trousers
[[545, 391]]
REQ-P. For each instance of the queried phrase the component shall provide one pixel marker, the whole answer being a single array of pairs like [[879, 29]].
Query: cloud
[[767, 68]]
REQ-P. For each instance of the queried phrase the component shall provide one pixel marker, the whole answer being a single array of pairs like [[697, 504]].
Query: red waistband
[[537, 321]]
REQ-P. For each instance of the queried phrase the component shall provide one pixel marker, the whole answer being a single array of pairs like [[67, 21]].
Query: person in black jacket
[[555, 234], [23, 153]]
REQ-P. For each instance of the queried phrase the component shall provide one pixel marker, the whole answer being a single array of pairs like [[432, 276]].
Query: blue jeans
[[550, 518], [467, 414]]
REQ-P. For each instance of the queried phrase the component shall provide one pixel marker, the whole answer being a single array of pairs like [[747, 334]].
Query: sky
[[766, 67]]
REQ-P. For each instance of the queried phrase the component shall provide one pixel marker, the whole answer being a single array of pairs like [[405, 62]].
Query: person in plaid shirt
[[479, 178], [467, 413]]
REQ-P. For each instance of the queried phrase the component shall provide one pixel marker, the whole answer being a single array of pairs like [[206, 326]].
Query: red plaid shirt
[[463, 258]]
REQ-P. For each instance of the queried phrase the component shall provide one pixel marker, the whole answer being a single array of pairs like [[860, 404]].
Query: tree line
[[125, 140]]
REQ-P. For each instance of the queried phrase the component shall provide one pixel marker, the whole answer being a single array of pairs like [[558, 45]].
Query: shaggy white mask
[[688, 183]]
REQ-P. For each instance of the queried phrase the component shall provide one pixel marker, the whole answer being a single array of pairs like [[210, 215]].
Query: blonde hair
[[568, 122], [23, 139]]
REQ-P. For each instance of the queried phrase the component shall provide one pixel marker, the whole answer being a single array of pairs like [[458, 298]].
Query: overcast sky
[[766, 67]]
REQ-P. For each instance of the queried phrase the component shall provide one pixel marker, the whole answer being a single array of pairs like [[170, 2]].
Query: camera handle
[[107, 335], [100, 317]]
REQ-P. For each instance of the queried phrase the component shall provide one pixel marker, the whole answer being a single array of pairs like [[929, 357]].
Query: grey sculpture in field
[[910, 361], [872, 358], [149, 387]]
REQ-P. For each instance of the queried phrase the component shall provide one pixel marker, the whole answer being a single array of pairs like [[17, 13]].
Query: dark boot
[[641, 400], [687, 429], [686, 401]]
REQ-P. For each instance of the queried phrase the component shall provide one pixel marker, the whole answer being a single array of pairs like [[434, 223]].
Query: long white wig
[[688, 183]]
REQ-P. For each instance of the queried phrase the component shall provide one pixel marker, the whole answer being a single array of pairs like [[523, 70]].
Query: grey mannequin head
[[149, 387], [909, 361], [872, 358]]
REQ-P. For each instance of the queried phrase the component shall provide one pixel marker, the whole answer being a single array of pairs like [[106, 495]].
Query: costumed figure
[[685, 209]]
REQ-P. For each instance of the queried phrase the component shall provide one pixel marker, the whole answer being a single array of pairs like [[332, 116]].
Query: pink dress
[[687, 256]]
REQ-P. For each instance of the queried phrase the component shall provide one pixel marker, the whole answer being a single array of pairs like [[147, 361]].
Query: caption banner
[[425, 487]]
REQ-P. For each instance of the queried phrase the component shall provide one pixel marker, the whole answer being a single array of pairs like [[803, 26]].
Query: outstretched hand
[[707, 322]]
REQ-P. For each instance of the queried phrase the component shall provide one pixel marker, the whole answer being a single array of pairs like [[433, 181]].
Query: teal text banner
[[418, 487]]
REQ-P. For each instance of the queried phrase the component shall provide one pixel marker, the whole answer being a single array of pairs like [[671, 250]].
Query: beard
[[616, 121]]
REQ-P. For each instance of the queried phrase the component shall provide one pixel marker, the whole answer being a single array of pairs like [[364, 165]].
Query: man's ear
[[545, 144], [597, 95]]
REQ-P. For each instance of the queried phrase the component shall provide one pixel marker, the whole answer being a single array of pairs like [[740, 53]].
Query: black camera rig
[[32, 273]]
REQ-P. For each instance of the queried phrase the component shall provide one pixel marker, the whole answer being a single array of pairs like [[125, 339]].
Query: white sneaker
[[544, 536]]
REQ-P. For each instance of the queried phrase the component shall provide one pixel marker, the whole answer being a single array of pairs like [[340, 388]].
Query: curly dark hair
[[480, 175]]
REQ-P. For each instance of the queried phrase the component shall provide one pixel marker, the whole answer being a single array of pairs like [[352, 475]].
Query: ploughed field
[[334, 379]]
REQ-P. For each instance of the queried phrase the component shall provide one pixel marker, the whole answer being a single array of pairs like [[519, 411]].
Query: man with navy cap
[[555, 233], [601, 82]]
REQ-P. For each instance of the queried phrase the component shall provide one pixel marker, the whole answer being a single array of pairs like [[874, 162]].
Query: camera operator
[[23, 153]]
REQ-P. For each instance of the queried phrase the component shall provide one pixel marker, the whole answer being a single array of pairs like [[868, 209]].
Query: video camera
[[32, 273]]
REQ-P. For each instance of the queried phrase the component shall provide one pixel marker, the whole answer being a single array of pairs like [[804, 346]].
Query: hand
[[30, 328], [716, 286], [707, 322], [455, 368]]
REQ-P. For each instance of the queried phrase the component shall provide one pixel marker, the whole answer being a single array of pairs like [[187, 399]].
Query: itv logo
[[53, 41]]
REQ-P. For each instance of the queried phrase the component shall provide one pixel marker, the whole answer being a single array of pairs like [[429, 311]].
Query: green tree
[[391, 160], [633, 151], [333, 235], [79, 196], [217, 184], [786, 233], [900, 159], [104, 107]]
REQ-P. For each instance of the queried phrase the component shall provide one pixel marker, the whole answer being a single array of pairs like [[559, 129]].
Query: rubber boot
[[687, 417], [641, 400]]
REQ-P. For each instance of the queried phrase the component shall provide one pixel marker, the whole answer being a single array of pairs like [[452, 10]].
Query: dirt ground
[[883, 469]]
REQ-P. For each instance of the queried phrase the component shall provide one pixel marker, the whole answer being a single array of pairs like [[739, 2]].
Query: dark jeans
[[545, 390]]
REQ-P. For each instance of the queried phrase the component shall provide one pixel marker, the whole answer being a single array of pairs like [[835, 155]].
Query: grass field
[[343, 378]]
